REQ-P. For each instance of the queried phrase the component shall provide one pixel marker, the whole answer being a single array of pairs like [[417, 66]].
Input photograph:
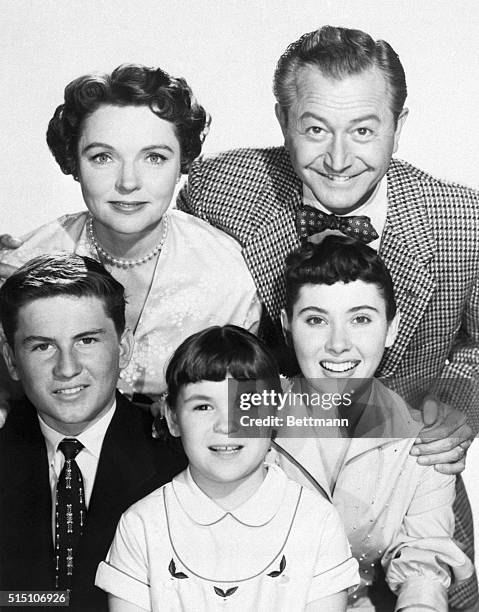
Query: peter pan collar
[[258, 510]]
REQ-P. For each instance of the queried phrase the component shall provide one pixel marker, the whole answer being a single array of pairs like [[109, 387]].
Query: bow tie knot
[[334, 222], [310, 221]]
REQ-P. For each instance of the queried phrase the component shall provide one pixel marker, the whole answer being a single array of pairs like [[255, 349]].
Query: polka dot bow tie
[[311, 221]]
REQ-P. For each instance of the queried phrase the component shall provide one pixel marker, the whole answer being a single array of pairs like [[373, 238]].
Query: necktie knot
[[70, 447]]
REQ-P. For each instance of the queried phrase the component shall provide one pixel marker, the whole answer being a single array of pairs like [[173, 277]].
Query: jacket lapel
[[407, 248], [124, 475], [275, 235], [125, 465]]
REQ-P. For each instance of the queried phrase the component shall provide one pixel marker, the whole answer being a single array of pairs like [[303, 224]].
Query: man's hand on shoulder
[[444, 439]]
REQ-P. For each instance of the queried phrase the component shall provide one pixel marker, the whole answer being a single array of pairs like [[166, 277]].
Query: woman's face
[[128, 165], [339, 331]]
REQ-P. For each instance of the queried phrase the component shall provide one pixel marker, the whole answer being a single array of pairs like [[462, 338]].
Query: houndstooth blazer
[[430, 245]]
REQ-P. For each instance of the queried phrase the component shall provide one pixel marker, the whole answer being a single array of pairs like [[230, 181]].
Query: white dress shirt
[[376, 208], [87, 459]]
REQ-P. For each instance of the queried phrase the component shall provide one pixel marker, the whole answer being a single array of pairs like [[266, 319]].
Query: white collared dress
[[176, 549]]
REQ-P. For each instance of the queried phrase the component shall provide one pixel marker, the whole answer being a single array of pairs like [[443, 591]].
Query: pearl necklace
[[125, 263]]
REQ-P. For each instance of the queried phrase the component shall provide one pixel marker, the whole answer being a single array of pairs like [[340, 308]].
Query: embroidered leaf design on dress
[[173, 572], [282, 565], [226, 593]]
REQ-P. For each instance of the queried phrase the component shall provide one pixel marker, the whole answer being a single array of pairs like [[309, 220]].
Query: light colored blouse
[[176, 549], [200, 280], [397, 513]]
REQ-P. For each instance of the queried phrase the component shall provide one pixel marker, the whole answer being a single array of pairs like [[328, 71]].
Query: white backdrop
[[227, 50]]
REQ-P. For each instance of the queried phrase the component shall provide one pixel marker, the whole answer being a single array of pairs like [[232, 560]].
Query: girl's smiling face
[[340, 330], [225, 467]]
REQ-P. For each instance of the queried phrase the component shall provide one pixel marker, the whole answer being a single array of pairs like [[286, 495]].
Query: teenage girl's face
[[219, 462], [339, 331]]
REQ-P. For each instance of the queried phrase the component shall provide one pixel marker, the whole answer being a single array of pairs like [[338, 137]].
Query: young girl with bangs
[[230, 532]]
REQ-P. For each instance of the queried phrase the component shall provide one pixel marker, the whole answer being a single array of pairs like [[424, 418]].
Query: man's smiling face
[[340, 134]]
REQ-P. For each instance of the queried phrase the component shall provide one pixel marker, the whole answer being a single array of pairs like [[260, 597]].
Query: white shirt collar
[[91, 438], [258, 510], [376, 208]]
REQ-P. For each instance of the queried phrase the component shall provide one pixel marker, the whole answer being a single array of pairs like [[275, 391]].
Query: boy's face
[[339, 330], [67, 355], [219, 462]]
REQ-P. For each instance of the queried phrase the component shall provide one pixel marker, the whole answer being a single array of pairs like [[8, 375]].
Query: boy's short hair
[[65, 274], [337, 259]]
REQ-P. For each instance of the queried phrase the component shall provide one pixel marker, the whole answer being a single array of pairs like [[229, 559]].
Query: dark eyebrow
[[32, 339], [162, 147], [323, 311], [91, 332], [363, 307], [314, 308], [309, 114], [198, 398], [97, 145], [104, 145], [370, 117]]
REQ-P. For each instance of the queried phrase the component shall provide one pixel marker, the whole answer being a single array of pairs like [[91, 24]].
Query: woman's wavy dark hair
[[168, 97]]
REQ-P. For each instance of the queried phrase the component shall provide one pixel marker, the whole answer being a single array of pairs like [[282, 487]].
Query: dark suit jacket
[[131, 465]]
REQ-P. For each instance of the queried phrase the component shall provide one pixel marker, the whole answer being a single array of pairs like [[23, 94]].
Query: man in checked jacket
[[340, 104]]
